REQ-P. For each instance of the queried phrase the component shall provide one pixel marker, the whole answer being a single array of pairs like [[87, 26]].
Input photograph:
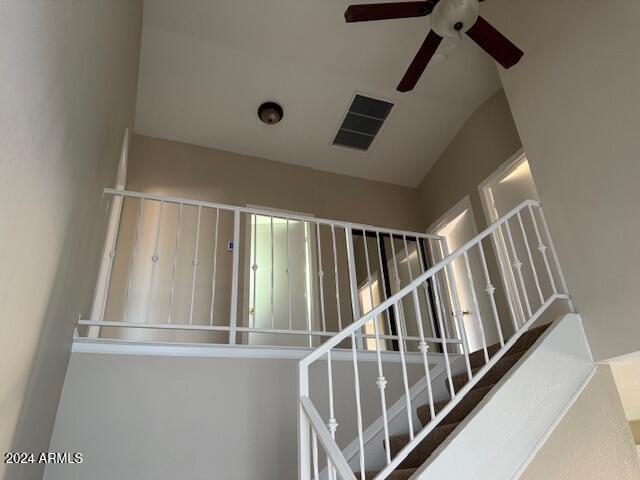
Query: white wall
[[163, 417], [525, 405], [67, 92], [575, 101]]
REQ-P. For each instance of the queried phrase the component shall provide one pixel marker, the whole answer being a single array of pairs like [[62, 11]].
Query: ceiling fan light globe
[[450, 18]]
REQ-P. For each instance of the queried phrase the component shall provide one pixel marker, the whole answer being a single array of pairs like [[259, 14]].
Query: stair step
[[459, 412], [424, 449], [439, 434], [399, 474], [492, 377], [522, 345], [477, 358]]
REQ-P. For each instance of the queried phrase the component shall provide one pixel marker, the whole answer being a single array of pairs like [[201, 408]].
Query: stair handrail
[[321, 350], [334, 454]]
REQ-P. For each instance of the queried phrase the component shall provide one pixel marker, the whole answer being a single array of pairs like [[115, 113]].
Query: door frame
[[459, 208], [453, 212], [491, 215]]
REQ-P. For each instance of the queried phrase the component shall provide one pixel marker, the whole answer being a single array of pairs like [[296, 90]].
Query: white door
[[505, 189], [458, 227], [281, 281]]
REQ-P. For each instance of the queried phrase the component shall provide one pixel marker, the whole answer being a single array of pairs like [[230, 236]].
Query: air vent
[[362, 123]]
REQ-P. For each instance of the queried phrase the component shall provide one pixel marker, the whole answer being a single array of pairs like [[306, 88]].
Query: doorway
[[507, 187], [458, 226], [281, 281]]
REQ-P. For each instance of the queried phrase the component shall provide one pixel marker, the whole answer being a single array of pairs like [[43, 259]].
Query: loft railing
[[535, 282], [183, 270]]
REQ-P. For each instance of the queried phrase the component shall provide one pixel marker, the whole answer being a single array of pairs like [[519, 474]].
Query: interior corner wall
[[592, 441], [486, 140], [575, 101], [67, 91], [172, 168]]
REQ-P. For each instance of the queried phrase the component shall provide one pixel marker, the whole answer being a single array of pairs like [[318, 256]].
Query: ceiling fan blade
[[384, 11], [494, 43], [420, 62]]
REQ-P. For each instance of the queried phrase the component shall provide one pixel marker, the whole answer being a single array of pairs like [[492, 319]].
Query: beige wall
[[485, 141], [575, 101], [67, 90], [166, 167], [591, 442], [152, 417]]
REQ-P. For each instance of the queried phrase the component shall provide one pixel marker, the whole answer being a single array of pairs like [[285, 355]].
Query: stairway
[[469, 402]]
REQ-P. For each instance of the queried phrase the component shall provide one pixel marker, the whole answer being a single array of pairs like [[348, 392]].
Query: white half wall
[[497, 440], [161, 418]]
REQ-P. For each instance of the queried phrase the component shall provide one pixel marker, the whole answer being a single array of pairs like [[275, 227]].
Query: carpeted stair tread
[[399, 474], [522, 345], [492, 377], [466, 405], [459, 412], [425, 448]]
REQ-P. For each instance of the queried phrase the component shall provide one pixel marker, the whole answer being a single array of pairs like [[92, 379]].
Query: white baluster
[[289, 278], [273, 315], [400, 321], [335, 269], [321, 278], [425, 286], [175, 260], [423, 348], [215, 264], [384, 283], [458, 311], [195, 263], [441, 317], [332, 424], [154, 261], [542, 248], [490, 289], [254, 269], [133, 260], [505, 280], [563, 280], [442, 310], [405, 378], [353, 282], [476, 306], [307, 275], [517, 266], [533, 267], [233, 312], [314, 446], [381, 382], [356, 381]]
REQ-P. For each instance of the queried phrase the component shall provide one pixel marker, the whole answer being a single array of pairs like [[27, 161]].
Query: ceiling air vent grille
[[362, 123]]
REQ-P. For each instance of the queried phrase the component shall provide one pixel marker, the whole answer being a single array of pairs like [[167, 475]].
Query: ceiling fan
[[449, 18]]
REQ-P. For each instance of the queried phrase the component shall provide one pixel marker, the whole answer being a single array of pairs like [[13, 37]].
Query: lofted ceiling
[[206, 66]]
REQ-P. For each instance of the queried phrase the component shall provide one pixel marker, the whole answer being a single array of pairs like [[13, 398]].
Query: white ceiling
[[206, 66]]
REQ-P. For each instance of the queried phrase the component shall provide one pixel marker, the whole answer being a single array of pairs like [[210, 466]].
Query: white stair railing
[[180, 270], [319, 451]]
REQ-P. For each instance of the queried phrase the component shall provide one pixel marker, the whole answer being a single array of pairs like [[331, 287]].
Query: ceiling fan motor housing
[[451, 18]]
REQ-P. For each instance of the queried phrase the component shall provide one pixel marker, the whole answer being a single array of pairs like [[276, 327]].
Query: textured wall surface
[[67, 94], [592, 441]]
